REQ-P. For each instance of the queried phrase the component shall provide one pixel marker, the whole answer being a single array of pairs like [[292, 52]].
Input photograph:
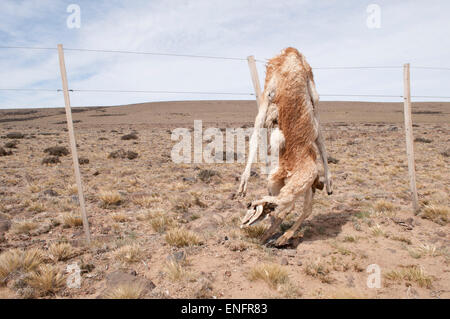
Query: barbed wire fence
[[257, 94]]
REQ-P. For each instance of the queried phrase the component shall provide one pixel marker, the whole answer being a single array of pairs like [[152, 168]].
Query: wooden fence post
[[255, 78], [73, 144], [409, 136]]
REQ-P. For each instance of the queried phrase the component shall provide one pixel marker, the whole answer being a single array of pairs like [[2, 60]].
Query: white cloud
[[328, 33]]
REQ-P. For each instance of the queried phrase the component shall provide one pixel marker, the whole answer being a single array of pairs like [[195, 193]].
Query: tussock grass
[[24, 226], [120, 217], [346, 293], [425, 250], [382, 206], [72, 189], [159, 221], [109, 198], [130, 253], [377, 231], [146, 201], [255, 232], [176, 271], [273, 274], [349, 239], [402, 239], [319, 270], [180, 237], [46, 280], [126, 291], [60, 251], [72, 220], [182, 203], [19, 261], [36, 207], [437, 213], [411, 273]]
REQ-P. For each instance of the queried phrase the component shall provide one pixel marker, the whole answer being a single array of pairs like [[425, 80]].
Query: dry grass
[[60, 252], [146, 201], [411, 273], [182, 203], [384, 206], [402, 239], [72, 189], [46, 280], [377, 231], [160, 222], [319, 270], [176, 271], [25, 226], [109, 198], [346, 293], [130, 253], [425, 250], [72, 220], [255, 232], [180, 237], [16, 260], [36, 207], [273, 274], [126, 291], [120, 217], [437, 213]]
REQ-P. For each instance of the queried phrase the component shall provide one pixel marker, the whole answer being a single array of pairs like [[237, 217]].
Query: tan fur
[[290, 107]]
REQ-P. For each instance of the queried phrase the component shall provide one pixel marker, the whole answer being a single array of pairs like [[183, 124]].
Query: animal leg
[[259, 122], [297, 184], [320, 141], [323, 153], [307, 210], [275, 186]]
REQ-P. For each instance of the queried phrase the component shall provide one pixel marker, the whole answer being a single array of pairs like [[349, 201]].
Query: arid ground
[[166, 230]]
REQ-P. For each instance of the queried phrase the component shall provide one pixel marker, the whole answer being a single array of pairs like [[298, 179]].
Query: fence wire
[[213, 57]]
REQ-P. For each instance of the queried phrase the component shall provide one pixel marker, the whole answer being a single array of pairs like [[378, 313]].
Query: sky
[[329, 33]]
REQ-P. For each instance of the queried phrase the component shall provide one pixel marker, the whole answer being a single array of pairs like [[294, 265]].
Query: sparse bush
[[110, 198], [273, 274], [51, 160], [411, 273], [46, 280], [120, 217], [437, 213], [72, 220], [384, 206], [180, 237], [130, 253], [57, 151], [205, 175], [319, 270], [15, 260], [25, 226], [176, 271], [126, 291], [160, 222], [256, 231], [60, 252]]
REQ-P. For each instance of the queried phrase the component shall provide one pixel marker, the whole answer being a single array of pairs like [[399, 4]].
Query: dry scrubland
[[162, 230]]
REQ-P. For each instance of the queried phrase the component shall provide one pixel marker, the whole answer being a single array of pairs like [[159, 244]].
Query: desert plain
[[166, 230]]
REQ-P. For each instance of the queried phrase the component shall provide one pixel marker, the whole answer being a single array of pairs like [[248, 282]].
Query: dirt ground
[[166, 230]]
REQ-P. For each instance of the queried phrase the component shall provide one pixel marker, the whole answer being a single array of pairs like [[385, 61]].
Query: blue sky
[[329, 33]]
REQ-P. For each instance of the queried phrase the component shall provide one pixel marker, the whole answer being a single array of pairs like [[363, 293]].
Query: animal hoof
[[282, 241], [330, 193]]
